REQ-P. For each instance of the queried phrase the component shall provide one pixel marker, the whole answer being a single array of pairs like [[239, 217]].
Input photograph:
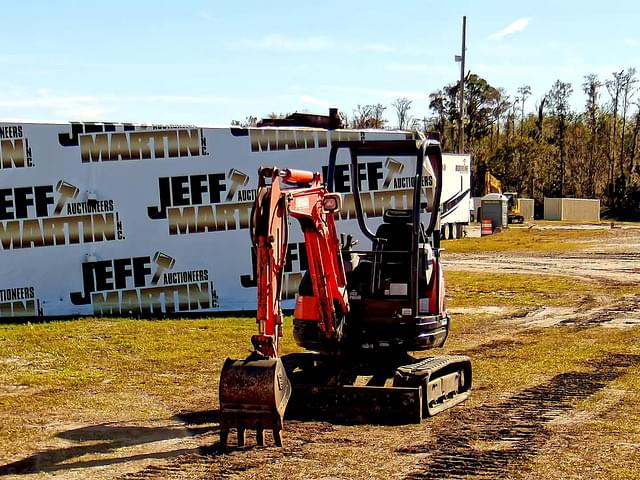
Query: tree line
[[544, 149], [554, 150]]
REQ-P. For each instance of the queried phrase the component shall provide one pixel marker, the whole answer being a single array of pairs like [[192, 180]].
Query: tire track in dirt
[[609, 312], [492, 349], [493, 441], [599, 266]]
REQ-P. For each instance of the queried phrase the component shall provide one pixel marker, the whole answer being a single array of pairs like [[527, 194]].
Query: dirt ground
[[612, 260], [544, 426], [615, 258]]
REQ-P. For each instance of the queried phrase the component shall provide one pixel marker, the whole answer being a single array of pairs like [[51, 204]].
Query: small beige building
[[572, 209], [525, 207]]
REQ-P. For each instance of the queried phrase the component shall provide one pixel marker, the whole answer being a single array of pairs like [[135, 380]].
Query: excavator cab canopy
[[426, 158], [403, 244]]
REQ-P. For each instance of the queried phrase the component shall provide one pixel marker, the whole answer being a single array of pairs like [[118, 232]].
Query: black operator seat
[[395, 235]]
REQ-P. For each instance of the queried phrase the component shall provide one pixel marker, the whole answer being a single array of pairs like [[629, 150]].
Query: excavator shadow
[[107, 444]]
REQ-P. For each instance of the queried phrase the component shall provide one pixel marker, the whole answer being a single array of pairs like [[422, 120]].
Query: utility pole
[[461, 58]]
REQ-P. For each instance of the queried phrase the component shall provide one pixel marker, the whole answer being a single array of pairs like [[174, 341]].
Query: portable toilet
[[495, 207]]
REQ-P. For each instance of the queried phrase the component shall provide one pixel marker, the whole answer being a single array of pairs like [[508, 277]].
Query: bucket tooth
[[253, 395], [259, 434], [277, 437], [224, 437], [241, 431]]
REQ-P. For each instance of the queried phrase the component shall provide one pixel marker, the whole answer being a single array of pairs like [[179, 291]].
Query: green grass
[[63, 361], [86, 352], [472, 289], [527, 240], [95, 370], [606, 442], [540, 354]]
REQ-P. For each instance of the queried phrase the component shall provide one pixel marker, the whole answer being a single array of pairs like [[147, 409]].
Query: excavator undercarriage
[[357, 313], [326, 389]]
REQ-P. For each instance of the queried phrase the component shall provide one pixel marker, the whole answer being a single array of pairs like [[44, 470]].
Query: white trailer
[[456, 194]]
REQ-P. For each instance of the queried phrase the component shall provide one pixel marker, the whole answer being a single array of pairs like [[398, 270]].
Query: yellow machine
[[493, 185]]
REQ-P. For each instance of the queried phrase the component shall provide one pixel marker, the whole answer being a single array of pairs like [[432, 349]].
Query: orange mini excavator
[[358, 313]]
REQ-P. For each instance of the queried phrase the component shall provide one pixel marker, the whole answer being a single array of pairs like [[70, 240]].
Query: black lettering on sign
[[296, 261], [369, 174], [182, 191], [16, 203], [106, 275]]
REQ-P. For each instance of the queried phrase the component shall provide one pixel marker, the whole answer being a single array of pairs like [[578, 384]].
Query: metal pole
[[462, 57]]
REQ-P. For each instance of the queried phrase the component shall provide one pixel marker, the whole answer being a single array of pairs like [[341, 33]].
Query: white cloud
[[209, 18], [47, 104], [422, 68], [284, 43], [309, 100], [632, 42], [514, 27]]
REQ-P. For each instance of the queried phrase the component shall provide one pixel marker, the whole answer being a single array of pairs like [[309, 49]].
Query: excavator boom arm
[[255, 391], [308, 201], [314, 209]]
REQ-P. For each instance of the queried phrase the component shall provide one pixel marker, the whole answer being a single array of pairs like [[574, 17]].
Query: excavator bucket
[[254, 393]]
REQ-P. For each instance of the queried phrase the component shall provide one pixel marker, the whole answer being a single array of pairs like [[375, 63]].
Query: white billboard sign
[[118, 219]]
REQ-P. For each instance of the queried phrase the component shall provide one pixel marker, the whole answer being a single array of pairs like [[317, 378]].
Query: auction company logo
[[296, 263], [46, 215], [281, 139], [205, 202], [110, 142], [382, 185], [144, 286], [19, 302], [15, 151]]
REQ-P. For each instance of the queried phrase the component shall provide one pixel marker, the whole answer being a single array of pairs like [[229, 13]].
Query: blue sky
[[206, 63]]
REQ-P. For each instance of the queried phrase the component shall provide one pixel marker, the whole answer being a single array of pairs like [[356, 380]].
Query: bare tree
[[628, 91], [559, 106], [511, 118], [402, 106], [614, 87], [540, 118], [500, 106], [634, 143], [368, 116], [361, 116], [378, 111], [249, 121], [524, 92], [591, 87]]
